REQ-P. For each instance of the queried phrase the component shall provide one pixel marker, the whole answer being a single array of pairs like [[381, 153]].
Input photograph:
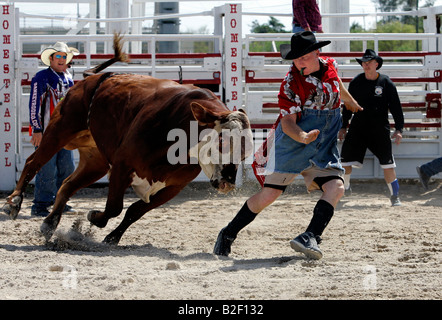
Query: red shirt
[[306, 13], [298, 92]]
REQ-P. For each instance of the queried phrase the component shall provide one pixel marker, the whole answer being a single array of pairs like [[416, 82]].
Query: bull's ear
[[242, 110], [203, 115]]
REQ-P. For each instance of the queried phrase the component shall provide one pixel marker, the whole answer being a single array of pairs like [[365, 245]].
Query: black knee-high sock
[[242, 219], [322, 214]]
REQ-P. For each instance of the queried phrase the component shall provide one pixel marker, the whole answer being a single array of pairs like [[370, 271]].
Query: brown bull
[[120, 124]]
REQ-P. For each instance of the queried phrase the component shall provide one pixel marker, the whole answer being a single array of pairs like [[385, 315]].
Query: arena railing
[[417, 75]]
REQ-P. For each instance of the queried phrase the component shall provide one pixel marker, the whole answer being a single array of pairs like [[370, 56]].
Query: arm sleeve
[[34, 104], [288, 101], [347, 114], [394, 104]]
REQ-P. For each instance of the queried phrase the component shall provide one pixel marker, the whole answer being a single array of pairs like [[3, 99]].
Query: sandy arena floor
[[371, 250]]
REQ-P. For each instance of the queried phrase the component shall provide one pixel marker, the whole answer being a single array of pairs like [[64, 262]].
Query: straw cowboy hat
[[370, 55], [58, 47], [301, 43]]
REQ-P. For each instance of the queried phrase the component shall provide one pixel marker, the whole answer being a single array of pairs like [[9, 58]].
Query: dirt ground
[[371, 250]]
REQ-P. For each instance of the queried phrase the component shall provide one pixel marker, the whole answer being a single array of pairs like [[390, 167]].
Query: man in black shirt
[[370, 128]]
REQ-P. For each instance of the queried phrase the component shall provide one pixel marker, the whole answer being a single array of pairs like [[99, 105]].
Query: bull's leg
[[120, 179], [92, 167], [139, 208], [35, 161]]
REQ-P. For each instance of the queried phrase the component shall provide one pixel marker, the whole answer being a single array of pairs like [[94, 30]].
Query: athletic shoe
[[423, 177], [395, 202], [307, 244], [223, 244]]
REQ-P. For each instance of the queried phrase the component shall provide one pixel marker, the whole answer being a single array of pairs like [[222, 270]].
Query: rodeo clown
[[48, 87], [303, 141], [371, 128]]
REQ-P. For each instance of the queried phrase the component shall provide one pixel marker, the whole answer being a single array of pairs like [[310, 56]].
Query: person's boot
[[424, 179]]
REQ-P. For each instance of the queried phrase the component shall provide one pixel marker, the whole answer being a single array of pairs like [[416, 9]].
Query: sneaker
[[423, 177], [307, 244], [395, 202], [223, 244], [39, 212]]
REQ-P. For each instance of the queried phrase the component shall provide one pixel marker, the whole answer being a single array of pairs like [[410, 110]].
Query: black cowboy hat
[[370, 55], [301, 43]]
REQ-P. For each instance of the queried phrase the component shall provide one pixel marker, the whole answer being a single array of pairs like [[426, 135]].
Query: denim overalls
[[290, 156]]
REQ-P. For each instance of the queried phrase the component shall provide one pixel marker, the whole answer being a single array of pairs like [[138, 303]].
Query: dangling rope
[[180, 74]]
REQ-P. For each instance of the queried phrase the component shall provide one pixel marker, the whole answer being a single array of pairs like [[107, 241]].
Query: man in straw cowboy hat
[[371, 129], [302, 141], [48, 87]]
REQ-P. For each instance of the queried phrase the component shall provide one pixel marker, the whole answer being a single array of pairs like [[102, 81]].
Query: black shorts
[[358, 140]]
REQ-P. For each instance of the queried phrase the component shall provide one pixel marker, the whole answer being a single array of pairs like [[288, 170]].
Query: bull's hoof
[[12, 207], [111, 239], [47, 229], [8, 209], [93, 217]]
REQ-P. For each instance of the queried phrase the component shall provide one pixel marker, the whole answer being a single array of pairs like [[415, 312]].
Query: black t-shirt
[[377, 97]]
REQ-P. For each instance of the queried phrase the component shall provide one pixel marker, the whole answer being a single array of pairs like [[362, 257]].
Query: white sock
[[347, 181]]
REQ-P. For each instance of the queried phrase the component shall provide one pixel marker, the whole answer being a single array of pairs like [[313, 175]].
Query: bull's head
[[223, 145]]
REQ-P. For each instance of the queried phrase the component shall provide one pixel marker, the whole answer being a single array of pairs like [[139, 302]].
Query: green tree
[[404, 24], [397, 45], [405, 5], [198, 46], [387, 45], [402, 5], [356, 45], [273, 26], [387, 5]]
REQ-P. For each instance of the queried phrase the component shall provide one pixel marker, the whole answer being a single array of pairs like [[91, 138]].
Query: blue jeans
[[50, 177], [297, 28], [433, 167]]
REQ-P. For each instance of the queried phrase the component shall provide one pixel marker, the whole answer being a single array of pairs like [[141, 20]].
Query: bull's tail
[[119, 56]]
